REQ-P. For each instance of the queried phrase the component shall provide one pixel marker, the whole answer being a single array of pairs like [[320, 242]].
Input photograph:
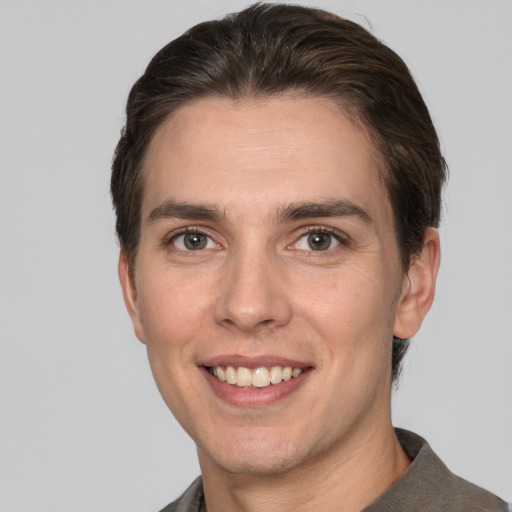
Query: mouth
[[255, 378], [255, 382]]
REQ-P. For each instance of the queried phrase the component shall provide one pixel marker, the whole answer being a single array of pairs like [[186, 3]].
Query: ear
[[130, 294], [418, 287]]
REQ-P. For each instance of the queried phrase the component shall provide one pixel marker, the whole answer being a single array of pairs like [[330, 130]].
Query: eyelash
[[168, 239], [342, 238]]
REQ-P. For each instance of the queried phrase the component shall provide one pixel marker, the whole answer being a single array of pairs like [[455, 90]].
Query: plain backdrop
[[82, 427]]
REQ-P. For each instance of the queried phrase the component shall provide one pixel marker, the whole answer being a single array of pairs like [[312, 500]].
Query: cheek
[[172, 316], [357, 300], [352, 313], [172, 308]]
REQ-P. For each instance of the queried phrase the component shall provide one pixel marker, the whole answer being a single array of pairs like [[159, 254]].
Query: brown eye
[[193, 242], [319, 241]]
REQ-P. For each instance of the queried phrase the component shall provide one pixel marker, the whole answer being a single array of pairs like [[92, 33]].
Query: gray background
[[82, 427]]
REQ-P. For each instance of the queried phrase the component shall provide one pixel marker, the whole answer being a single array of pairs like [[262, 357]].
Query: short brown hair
[[267, 50]]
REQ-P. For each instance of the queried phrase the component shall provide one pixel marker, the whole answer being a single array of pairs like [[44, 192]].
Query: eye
[[318, 241], [193, 242]]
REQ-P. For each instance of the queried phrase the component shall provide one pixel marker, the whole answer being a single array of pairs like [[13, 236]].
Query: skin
[[258, 289]]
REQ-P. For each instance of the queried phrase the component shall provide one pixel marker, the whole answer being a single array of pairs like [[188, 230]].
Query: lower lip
[[254, 397]]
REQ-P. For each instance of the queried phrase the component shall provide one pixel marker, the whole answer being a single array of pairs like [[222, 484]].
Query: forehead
[[269, 151]]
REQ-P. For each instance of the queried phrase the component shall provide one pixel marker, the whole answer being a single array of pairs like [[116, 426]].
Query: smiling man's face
[[267, 248]]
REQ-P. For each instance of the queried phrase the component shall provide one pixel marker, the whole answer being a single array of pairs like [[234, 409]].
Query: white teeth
[[243, 377], [296, 372], [276, 374], [230, 375], [287, 373], [260, 377]]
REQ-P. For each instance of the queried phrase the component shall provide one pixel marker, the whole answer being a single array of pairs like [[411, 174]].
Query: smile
[[260, 377]]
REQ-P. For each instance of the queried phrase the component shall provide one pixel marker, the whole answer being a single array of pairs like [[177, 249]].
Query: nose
[[254, 295]]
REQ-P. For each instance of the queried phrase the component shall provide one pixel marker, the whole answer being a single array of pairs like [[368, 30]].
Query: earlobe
[[418, 287], [130, 294]]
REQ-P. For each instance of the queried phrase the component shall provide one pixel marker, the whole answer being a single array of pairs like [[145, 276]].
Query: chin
[[254, 456]]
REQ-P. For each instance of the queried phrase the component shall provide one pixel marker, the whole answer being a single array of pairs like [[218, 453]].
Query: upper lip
[[253, 361]]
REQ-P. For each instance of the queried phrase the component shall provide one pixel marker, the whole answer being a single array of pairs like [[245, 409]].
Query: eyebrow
[[295, 211], [332, 208], [189, 211]]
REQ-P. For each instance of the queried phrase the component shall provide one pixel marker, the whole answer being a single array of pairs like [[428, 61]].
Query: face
[[267, 249]]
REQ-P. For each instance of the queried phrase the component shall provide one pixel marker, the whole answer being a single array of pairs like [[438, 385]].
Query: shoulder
[[459, 494], [428, 485], [190, 501], [171, 507]]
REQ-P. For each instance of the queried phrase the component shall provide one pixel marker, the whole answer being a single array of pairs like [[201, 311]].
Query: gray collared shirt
[[427, 486]]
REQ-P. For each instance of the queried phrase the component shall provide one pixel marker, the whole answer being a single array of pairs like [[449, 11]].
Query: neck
[[346, 479]]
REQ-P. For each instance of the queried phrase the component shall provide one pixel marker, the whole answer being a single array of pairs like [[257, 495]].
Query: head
[[278, 131], [268, 50]]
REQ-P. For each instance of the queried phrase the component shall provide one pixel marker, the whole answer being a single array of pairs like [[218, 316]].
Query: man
[[277, 188]]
